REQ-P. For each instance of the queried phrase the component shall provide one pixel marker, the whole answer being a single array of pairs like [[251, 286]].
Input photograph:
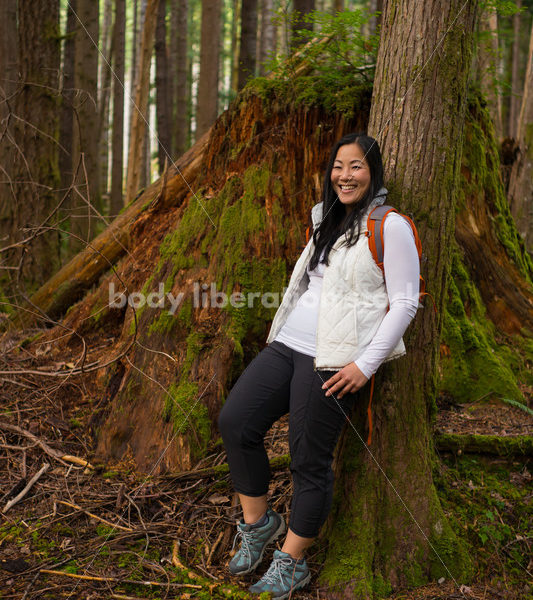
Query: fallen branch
[[520, 445], [93, 516], [28, 487], [65, 458], [119, 580]]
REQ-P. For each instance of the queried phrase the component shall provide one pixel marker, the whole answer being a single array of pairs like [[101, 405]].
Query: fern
[[519, 405]]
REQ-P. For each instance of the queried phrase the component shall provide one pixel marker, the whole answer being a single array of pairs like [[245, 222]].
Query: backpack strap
[[374, 231]]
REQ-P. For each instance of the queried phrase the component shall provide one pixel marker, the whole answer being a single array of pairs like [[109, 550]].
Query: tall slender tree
[[516, 82], [117, 164], [388, 524], [301, 8], [162, 84], [235, 49], [35, 154], [138, 121], [207, 103], [104, 95], [247, 52], [267, 46], [521, 182], [85, 144], [178, 52], [8, 85]]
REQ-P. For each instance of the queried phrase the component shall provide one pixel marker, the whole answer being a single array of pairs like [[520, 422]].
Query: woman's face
[[350, 175]]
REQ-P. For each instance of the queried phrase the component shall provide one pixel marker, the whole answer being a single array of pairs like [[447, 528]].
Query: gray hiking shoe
[[254, 541], [284, 576]]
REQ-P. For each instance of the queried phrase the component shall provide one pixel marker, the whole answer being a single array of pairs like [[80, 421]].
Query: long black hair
[[337, 220]]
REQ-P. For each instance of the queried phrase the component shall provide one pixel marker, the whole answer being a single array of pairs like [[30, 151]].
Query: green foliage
[[338, 68], [519, 405]]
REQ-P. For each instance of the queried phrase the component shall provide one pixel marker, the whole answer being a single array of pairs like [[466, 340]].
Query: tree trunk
[[520, 192], [66, 119], [268, 35], [179, 76], [247, 52], [235, 47], [375, 22], [300, 9], [516, 83], [162, 85], [487, 67], [207, 104], [387, 528], [104, 95], [35, 156], [8, 85], [86, 143], [140, 112], [117, 164]]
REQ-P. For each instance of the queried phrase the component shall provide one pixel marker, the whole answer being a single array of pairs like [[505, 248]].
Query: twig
[[50, 451], [119, 580], [76, 507], [28, 487]]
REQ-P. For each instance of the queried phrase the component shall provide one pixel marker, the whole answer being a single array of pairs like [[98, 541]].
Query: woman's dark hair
[[337, 221]]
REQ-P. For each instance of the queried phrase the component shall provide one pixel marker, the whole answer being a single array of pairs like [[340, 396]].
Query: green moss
[[473, 364], [482, 181]]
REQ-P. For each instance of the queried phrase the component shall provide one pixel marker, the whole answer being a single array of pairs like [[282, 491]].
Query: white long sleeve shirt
[[402, 278]]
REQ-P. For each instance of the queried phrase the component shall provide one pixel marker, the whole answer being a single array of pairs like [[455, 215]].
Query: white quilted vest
[[353, 300]]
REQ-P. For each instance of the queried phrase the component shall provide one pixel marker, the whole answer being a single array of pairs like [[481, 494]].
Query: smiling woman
[[338, 321]]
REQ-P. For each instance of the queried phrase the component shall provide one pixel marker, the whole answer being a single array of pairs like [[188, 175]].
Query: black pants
[[277, 381]]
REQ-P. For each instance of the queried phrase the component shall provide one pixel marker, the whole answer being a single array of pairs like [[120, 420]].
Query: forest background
[[126, 129]]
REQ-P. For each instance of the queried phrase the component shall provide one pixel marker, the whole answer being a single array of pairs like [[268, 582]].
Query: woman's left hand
[[348, 380]]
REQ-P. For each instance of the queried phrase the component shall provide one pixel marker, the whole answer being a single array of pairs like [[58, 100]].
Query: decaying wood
[[28, 487], [119, 580], [520, 445]]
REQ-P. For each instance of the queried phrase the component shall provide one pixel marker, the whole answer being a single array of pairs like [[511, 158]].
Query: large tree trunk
[[162, 85], [117, 142], [35, 153], [207, 104], [140, 112], [179, 62], [85, 145], [247, 52], [388, 528], [520, 192]]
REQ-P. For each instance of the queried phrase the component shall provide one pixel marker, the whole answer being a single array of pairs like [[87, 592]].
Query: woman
[[338, 321]]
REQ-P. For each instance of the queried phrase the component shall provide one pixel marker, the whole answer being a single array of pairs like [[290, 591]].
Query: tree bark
[[247, 52], [520, 192], [387, 528], [268, 35], [35, 155], [140, 112], [300, 9], [117, 164], [8, 85], [207, 104], [86, 139], [179, 76], [235, 49]]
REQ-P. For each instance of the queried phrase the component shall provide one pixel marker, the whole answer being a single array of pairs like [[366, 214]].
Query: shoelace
[[246, 538], [277, 569]]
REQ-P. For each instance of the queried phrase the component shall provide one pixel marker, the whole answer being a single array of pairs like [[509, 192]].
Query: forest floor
[[109, 532]]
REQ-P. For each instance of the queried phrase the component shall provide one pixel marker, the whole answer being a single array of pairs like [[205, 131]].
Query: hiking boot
[[253, 542], [284, 576]]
